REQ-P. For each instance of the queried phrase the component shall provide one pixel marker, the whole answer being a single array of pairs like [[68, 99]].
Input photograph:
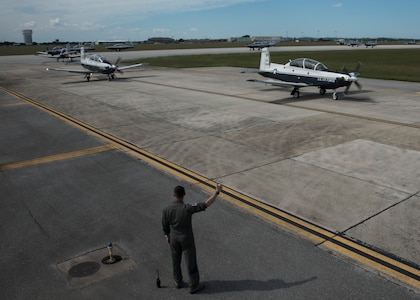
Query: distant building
[[27, 36]]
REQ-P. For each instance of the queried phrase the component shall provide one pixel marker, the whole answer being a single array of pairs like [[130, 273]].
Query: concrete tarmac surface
[[350, 168]]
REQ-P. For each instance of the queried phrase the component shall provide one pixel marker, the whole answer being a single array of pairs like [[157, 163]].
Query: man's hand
[[219, 188], [168, 239], [211, 199]]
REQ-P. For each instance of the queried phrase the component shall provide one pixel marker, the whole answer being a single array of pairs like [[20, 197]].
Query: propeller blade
[[347, 88], [117, 61], [358, 85]]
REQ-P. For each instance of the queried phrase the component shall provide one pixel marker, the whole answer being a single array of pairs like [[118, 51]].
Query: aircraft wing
[[69, 70], [279, 82], [73, 55], [131, 66]]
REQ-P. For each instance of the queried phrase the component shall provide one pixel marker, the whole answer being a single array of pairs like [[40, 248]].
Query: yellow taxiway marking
[[54, 158], [12, 104], [363, 254]]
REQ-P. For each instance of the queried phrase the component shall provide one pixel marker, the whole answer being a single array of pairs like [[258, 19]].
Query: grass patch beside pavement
[[399, 64]]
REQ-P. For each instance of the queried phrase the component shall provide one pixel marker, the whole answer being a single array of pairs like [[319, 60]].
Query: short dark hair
[[179, 191]]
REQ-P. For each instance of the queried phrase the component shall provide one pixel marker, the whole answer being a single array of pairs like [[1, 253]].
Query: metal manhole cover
[[84, 269]]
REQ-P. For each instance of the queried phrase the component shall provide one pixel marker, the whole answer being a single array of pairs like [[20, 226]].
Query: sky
[[93, 20]]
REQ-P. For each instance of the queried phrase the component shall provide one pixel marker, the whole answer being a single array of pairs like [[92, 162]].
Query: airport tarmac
[[351, 167]]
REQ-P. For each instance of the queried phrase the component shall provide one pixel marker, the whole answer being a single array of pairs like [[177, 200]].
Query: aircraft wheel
[[296, 94], [335, 97], [322, 91]]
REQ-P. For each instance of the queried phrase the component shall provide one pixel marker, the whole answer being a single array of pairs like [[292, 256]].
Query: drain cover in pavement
[[84, 269], [88, 268]]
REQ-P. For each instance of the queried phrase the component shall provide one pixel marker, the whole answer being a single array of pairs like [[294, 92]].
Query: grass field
[[401, 64], [382, 64]]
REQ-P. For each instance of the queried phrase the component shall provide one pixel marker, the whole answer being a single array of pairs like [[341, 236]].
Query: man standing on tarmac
[[176, 223]]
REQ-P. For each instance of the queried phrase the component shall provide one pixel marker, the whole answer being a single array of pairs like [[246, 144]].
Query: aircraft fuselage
[[323, 79]]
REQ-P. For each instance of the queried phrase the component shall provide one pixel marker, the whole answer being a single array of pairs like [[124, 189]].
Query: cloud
[[29, 25], [55, 22], [73, 20], [337, 5], [161, 30]]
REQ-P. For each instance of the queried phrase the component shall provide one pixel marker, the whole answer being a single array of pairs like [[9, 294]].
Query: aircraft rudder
[[265, 59], [82, 52]]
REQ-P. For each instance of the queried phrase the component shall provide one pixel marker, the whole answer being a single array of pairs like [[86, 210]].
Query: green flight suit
[[176, 223]]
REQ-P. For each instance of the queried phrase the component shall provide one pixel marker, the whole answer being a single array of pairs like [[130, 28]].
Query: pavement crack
[[40, 227]]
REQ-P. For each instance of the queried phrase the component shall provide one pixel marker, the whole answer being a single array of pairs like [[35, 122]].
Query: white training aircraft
[[62, 53], [96, 63], [304, 72]]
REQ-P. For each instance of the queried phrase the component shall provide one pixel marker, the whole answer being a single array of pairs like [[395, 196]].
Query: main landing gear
[[322, 92], [295, 93], [111, 76]]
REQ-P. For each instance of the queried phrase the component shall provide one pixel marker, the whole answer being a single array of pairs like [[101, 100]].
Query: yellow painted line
[[380, 262], [54, 158], [12, 104], [349, 248]]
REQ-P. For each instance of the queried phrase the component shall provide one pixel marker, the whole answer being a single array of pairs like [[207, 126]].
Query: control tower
[[27, 36]]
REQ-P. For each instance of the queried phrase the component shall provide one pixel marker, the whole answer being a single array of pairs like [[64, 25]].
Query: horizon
[[207, 19]]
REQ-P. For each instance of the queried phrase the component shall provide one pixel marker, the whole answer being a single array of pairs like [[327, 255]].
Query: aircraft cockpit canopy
[[99, 58], [308, 63]]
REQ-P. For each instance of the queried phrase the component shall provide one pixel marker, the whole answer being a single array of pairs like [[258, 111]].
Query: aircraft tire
[[322, 91], [335, 96], [296, 94]]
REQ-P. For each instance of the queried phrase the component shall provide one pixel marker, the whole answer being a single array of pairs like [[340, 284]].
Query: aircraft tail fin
[[265, 59], [82, 53]]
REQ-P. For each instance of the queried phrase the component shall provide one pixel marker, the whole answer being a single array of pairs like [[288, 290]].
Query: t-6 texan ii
[[304, 72], [97, 63]]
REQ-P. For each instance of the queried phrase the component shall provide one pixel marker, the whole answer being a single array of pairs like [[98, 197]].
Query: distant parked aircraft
[[89, 47], [371, 44], [353, 43], [261, 44], [96, 63], [121, 46], [63, 53]]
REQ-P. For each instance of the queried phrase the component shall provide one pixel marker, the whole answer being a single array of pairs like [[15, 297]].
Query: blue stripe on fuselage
[[314, 81]]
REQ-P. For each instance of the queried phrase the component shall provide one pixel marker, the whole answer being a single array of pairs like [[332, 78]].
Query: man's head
[[179, 192]]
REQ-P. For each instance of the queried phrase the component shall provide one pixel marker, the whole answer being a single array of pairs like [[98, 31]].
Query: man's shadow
[[221, 286]]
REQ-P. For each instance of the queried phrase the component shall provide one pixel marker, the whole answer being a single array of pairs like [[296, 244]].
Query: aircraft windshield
[[98, 58], [308, 63]]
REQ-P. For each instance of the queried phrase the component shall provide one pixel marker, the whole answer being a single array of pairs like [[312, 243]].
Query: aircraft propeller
[[114, 67], [354, 77]]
